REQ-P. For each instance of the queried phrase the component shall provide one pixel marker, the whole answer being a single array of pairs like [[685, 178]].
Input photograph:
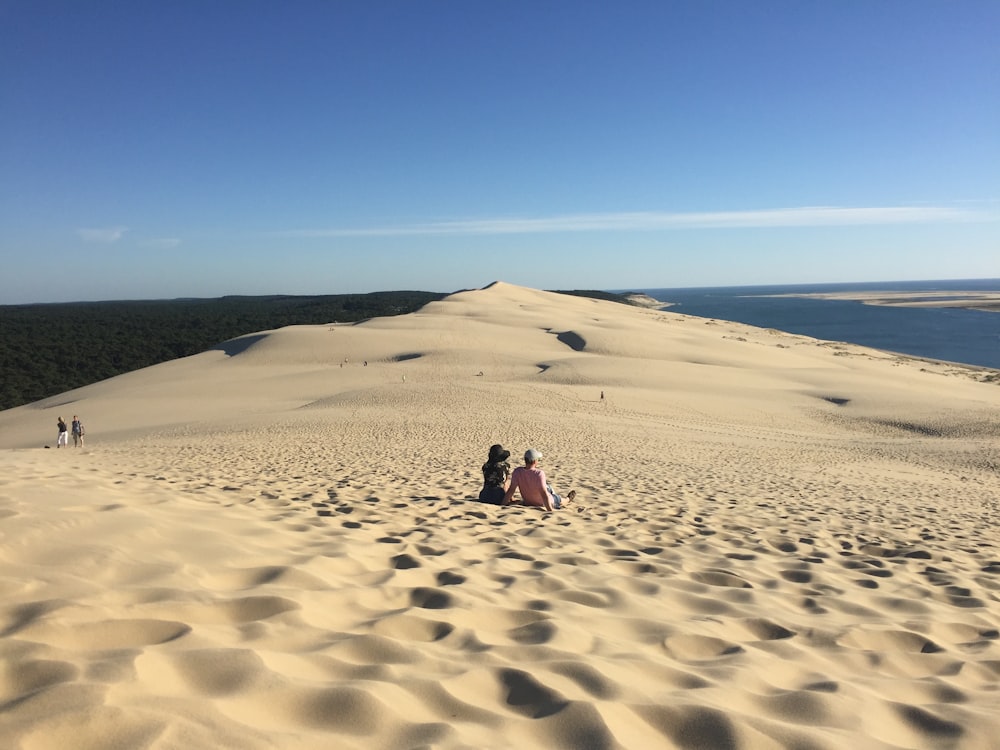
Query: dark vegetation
[[47, 349], [51, 348], [595, 294]]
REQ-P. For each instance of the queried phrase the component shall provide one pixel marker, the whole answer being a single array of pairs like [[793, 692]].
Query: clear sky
[[192, 148]]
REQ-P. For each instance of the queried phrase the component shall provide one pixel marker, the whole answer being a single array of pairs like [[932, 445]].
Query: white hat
[[531, 455]]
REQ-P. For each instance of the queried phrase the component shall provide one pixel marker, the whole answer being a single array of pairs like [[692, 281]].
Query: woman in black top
[[496, 476]]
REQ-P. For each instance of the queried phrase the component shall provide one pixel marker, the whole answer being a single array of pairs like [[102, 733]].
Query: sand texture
[[778, 542]]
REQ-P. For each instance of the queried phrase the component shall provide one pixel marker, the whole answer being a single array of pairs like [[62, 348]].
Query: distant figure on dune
[[535, 489], [63, 438], [78, 432], [496, 476]]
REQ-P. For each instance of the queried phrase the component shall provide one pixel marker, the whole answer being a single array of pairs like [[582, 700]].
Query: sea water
[[952, 334]]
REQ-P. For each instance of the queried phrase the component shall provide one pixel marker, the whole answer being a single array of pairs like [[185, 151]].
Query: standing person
[[63, 438], [496, 476], [77, 428], [535, 489]]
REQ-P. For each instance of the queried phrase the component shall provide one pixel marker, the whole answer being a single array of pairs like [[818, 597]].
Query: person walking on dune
[[77, 428], [534, 487], [63, 438]]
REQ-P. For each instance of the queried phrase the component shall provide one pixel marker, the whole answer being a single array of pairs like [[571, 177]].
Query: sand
[[960, 299], [778, 542]]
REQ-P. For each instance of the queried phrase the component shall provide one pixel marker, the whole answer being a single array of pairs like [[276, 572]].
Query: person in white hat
[[535, 489]]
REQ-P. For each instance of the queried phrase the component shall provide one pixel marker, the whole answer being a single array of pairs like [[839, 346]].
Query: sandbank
[[988, 301]]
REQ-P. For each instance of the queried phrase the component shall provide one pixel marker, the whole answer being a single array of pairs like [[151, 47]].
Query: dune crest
[[777, 542]]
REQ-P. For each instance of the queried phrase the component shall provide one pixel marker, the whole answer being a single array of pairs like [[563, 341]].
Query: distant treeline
[[51, 348], [595, 294], [47, 349]]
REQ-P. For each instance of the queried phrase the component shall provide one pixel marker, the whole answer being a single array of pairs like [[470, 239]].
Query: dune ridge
[[778, 542]]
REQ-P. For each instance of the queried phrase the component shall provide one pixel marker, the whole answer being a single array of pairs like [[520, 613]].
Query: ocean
[[956, 335]]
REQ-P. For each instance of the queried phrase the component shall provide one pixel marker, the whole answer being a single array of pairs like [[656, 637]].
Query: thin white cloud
[[815, 216], [104, 236]]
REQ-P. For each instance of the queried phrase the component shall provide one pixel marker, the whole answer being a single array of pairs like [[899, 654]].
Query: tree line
[[47, 349]]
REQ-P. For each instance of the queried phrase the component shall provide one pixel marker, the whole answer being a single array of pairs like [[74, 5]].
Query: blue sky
[[205, 148]]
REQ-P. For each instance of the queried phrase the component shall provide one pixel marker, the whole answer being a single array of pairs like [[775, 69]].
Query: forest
[[47, 349]]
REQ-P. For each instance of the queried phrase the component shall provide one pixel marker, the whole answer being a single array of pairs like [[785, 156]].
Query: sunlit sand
[[777, 542]]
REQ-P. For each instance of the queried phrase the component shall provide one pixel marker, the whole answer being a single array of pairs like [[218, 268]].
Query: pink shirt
[[532, 484]]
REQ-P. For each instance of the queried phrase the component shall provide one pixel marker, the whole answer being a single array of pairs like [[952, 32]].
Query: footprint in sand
[[29, 677], [23, 615], [783, 545], [765, 630], [233, 611], [533, 634], [351, 710], [407, 627], [796, 576], [219, 671], [107, 634], [591, 680], [715, 577], [447, 578], [799, 707], [691, 726], [430, 598], [374, 649], [688, 647], [895, 641], [404, 562], [527, 696], [915, 725]]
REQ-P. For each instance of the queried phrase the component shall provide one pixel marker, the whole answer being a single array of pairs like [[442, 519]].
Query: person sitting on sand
[[496, 476], [535, 489]]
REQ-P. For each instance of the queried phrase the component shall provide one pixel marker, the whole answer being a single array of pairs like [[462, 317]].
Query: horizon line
[[612, 290]]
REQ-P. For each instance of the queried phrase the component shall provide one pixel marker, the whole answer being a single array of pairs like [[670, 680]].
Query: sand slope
[[779, 542]]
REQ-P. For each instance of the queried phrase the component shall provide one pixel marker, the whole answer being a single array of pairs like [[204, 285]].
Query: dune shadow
[[238, 345], [572, 339], [26, 614], [528, 696]]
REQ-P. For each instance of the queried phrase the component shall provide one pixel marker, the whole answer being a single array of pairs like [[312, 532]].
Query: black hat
[[497, 453]]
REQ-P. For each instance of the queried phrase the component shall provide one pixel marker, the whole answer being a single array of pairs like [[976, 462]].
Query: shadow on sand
[[238, 346]]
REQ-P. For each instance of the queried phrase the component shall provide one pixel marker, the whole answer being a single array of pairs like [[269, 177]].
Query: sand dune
[[778, 542]]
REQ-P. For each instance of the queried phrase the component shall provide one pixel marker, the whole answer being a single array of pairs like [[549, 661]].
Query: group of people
[[78, 432], [500, 483]]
